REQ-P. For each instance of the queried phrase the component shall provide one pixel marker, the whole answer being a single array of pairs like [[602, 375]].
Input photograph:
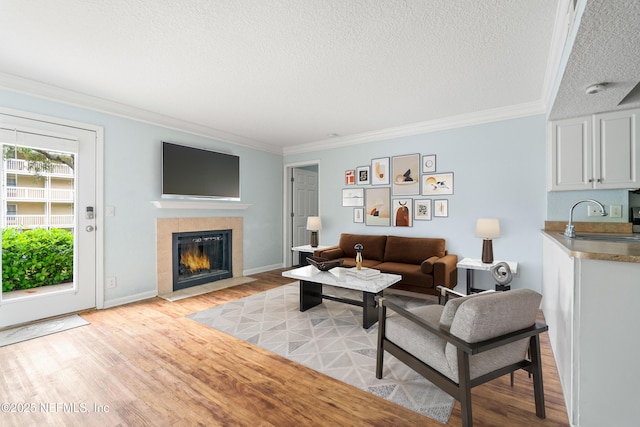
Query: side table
[[471, 265], [305, 251]]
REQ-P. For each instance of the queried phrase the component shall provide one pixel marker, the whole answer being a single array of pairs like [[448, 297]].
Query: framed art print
[[441, 208], [358, 215], [422, 210], [353, 196], [406, 175], [362, 175], [402, 212], [428, 163], [378, 206], [380, 171], [350, 177], [435, 184]]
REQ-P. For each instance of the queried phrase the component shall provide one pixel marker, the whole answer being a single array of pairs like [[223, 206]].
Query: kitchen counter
[[596, 249], [590, 302]]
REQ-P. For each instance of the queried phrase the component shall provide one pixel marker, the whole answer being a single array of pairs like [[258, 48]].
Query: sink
[[608, 237]]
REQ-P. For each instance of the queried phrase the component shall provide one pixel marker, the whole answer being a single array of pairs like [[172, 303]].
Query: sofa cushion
[[373, 246], [411, 273], [412, 250]]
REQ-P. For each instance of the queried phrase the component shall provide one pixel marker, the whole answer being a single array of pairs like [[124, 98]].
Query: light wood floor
[[146, 364]]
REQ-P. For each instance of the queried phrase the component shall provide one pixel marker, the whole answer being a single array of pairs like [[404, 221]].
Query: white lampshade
[[314, 223], [488, 228]]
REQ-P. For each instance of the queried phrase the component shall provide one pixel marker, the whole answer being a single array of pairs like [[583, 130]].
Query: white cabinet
[[595, 152]]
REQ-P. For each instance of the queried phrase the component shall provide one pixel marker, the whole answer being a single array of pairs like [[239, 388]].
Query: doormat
[[40, 329], [330, 339]]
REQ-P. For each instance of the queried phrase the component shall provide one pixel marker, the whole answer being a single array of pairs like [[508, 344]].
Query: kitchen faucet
[[570, 230]]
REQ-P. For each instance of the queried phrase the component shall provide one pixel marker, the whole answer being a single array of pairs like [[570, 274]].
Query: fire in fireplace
[[201, 257]]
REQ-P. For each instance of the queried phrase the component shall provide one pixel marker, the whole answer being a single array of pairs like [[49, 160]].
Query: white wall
[[132, 180], [499, 171]]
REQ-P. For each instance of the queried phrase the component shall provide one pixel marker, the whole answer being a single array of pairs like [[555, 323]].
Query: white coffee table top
[[339, 276], [309, 248]]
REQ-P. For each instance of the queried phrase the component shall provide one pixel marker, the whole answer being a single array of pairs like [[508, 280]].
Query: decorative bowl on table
[[324, 264]]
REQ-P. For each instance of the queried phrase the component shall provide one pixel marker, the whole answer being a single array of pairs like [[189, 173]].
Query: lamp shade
[[314, 223], [488, 228]]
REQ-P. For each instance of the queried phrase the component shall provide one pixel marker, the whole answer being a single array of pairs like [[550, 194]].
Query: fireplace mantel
[[191, 204]]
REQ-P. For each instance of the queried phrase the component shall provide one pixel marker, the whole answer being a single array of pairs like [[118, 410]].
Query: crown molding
[[57, 94], [487, 116]]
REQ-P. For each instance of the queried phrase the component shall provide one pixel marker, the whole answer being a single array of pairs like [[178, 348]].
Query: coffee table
[[311, 282]]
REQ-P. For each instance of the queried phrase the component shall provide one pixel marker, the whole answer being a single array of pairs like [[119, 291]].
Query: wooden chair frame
[[461, 391]]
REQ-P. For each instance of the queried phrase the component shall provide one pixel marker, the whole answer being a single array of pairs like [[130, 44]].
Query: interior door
[[79, 292], [304, 203]]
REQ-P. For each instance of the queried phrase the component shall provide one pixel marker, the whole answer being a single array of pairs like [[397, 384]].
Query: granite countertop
[[596, 249]]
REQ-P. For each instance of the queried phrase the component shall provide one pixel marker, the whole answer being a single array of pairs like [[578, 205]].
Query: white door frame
[[99, 191], [287, 255]]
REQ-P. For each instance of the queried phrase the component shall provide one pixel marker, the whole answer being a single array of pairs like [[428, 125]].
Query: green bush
[[35, 258]]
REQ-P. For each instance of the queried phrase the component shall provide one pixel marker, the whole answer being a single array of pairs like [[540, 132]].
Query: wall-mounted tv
[[189, 173]]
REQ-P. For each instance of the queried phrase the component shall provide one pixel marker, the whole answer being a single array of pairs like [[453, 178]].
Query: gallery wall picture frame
[[358, 215], [402, 212], [441, 208], [363, 175], [405, 174], [436, 184], [422, 210], [378, 206], [428, 163], [350, 177], [380, 171], [353, 196]]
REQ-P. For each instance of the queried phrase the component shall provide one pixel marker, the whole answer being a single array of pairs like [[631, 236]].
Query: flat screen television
[[193, 173]]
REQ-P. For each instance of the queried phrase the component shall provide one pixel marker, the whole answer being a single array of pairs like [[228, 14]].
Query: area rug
[[328, 338], [36, 330]]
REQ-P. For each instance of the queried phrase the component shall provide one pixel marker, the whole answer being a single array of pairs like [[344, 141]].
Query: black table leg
[[310, 295], [369, 311]]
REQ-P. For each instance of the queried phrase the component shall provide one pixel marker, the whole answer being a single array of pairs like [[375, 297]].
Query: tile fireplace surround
[[166, 226]]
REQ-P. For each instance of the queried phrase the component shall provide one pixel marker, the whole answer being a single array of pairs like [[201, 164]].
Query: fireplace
[[201, 257]]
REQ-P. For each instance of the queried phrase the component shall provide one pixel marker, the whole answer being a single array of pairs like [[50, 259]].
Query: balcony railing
[[39, 221], [21, 166], [36, 194]]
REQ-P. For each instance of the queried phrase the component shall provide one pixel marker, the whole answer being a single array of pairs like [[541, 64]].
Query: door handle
[[89, 228]]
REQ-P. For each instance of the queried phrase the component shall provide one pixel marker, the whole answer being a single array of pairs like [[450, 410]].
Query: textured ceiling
[[284, 73], [607, 49]]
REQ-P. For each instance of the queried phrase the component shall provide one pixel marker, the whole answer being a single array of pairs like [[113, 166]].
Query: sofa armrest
[[445, 271], [427, 265], [332, 252]]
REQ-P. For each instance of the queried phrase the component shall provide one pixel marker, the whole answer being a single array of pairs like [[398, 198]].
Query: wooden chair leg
[[464, 389], [538, 387]]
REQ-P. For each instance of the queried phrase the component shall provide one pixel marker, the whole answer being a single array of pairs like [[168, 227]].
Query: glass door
[[48, 179]]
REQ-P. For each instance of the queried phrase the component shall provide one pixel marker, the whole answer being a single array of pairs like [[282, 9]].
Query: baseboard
[[130, 298], [266, 268]]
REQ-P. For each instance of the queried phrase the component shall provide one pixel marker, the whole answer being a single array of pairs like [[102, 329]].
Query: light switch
[[110, 211]]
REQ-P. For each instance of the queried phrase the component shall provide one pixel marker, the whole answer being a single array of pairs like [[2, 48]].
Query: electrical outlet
[[615, 211], [593, 210], [111, 282]]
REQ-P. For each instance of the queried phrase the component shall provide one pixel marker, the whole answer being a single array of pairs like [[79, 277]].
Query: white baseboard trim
[[257, 270], [131, 298]]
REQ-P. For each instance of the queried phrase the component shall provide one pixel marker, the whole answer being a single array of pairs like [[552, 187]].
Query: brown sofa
[[423, 262]]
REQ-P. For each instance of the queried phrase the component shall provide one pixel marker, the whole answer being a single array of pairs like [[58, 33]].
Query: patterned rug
[[330, 339]]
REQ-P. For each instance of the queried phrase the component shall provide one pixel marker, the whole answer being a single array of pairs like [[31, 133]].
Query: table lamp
[[487, 229], [314, 225]]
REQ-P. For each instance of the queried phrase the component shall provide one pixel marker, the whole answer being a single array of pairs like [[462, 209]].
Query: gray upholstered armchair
[[467, 342]]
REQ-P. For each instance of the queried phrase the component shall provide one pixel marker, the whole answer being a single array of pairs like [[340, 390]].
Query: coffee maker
[[634, 217]]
